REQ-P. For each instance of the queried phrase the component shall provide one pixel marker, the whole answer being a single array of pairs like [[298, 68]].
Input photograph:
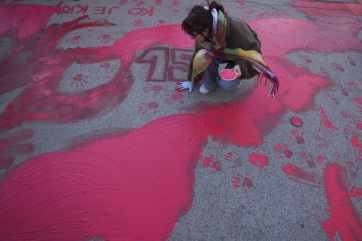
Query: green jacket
[[239, 35]]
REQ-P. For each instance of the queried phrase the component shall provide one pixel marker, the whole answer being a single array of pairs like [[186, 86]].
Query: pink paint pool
[[228, 74]]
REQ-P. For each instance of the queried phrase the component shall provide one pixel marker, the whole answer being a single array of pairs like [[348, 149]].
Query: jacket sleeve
[[247, 71], [240, 35]]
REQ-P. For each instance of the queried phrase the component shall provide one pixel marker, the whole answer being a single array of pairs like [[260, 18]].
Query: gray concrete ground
[[234, 198]]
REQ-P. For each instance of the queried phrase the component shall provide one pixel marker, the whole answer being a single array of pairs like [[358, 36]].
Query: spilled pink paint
[[111, 188]]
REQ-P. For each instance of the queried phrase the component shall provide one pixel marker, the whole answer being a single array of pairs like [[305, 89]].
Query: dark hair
[[200, 19]]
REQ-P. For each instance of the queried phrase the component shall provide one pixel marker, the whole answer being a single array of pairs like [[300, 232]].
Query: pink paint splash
[[259, 160], [343, 218]]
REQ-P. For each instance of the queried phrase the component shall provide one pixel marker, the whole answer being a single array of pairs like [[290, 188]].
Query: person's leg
[[211, 74], [228, 85]]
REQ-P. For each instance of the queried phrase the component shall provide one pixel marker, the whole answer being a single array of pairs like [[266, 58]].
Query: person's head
[[198, 23]]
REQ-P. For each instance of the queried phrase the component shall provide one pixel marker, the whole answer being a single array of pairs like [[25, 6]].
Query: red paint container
[[228, 74]]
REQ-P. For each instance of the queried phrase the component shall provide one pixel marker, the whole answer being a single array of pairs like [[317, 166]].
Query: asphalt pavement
[[96, 144]]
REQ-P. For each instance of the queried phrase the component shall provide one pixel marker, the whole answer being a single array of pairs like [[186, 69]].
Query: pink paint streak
[[343, 218]]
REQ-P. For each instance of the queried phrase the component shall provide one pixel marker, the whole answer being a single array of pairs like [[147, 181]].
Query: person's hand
[[181, 86], [237, 70]]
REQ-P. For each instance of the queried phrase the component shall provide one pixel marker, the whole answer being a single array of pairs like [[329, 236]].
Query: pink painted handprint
[[321, 159], [146, 107], [210, 162], [79, 80], [337, 67], [122, 2], [154, 88], [75, 40], [283, 148], [159, 2], [343, 90], [308, 159], [321, 142], [138, 23], [172, 98], [108, 67], [105, 38], [241, 4], [298, 136], [246, 182], [229, 156], [305, 58], [351, 61], [160, 22], [358, 101]]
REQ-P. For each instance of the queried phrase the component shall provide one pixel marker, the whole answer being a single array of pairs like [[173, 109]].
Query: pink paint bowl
[[228, 74]]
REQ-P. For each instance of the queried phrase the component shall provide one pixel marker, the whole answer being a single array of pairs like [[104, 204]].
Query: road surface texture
[[96, 144]]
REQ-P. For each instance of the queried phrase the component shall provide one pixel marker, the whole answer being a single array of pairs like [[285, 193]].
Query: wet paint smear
[[136, 186]]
